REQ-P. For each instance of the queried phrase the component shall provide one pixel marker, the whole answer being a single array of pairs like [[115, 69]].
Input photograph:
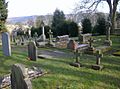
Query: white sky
[[18, 8]]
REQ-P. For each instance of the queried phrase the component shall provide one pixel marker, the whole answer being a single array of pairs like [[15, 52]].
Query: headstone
[[83, 38], [62, 41], [50, 42], [72, 45], [32, 51], [80, 49], [6, 44], [108, 42], [62, 38], [90, 49], [19, 77]]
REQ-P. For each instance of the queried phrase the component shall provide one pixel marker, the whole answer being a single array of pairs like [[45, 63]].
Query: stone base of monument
[[90, 50], [97, 67], [108, 43], [42, 38], [103, 48], [75, 64], [50, 45]]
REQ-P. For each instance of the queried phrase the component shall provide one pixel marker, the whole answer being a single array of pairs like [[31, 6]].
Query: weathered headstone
[[108, 42], [19, 77], [90, 49], [83, 38], [72, 45], [6, 44], [32, 51], [62, 38], [80, 49], [50, 43], [62, 41]]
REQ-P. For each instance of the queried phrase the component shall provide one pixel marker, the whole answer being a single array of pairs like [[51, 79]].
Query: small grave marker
[[32, 51]]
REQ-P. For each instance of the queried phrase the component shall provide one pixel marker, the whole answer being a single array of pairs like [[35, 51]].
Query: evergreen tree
[[3, 14], [58, 19], [86, 25], [100, 26]]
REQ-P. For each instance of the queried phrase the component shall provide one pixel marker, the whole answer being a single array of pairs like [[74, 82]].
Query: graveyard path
[[55, 54], [46, 53]]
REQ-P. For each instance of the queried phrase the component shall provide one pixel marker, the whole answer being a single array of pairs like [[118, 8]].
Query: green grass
[[62, 75]]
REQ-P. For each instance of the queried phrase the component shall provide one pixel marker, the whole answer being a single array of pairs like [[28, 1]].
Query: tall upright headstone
[[43, 37], [108, 42], [32, 51], [50, 43], [6, 44], [19, 77]]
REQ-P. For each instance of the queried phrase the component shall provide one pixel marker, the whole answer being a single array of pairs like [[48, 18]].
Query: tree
[[3, 14], [86, 25], [68, 28], [73, 29], [58, 19], [112, 8], [100, 26]]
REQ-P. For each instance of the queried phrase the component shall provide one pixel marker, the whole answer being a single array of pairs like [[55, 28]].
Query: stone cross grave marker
[[99, 55], [19, 77], [32, 51], [97, 66], [108, 42], [6, 44]]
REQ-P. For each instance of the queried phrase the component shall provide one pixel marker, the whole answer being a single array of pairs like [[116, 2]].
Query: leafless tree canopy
[[91, 5]]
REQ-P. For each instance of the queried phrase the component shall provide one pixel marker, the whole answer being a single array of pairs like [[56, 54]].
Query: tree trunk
[[112, 13]]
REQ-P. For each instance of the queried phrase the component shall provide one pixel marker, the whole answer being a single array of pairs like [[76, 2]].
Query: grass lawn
[[63, 76]]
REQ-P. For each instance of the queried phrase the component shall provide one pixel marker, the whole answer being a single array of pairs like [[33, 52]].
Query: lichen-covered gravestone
[[32, 51], [6, 44], [72, 45], [19, 77]]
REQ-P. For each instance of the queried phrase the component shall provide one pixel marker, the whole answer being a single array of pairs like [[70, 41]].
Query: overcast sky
[[18, 8]]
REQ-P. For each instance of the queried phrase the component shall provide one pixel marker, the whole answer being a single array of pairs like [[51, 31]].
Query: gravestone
[[83, 38], [79, 50], [72, 45], [62, 41], [19, 77], [50, 42], [62, 38], [108, 42], [6, 44], [32, 51], [90, 49]]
